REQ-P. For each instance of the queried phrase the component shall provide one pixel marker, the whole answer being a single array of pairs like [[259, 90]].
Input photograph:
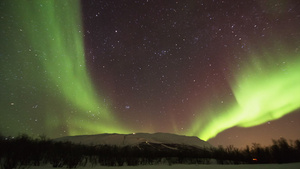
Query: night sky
[[225, 71]]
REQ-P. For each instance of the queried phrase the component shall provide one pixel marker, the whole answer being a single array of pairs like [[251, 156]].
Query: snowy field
[[212, 166]]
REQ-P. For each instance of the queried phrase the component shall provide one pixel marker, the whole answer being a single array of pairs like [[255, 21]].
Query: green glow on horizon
[[266, 88], [51, 34]]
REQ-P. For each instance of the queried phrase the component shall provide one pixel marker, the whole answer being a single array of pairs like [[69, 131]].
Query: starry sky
[[226, 71]]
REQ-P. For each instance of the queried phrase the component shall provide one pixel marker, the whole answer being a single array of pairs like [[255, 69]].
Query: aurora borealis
[[264, 91], [52, 43], [225, 71]]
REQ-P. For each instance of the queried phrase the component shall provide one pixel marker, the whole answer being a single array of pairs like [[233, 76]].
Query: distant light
[[133, 133], [254, 159]]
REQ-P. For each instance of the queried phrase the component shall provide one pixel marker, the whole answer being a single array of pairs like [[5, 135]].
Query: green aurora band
[[44, 41], [266, 89], [42, 63]]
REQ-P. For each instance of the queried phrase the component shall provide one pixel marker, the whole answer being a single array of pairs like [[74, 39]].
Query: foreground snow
[[212, 166]]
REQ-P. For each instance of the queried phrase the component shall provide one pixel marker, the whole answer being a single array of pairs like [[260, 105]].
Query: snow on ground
[[212, 166]]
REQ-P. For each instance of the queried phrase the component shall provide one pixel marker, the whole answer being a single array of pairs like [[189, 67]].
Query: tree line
[[24, 151]]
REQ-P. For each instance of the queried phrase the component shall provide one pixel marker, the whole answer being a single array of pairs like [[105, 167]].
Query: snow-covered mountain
[[136, 139]]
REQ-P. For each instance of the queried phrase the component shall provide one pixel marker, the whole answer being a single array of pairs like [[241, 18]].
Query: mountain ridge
[[135, 139]]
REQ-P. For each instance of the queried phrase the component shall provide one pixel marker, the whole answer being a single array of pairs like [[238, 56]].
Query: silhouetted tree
[[23, 152]]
